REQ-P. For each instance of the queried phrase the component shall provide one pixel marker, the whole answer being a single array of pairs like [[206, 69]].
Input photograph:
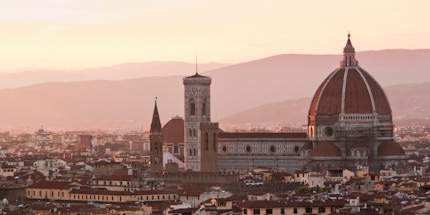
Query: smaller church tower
[[209, 147], [156, 143]]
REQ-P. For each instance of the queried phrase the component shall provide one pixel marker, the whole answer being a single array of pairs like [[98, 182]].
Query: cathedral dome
[[349, 90]]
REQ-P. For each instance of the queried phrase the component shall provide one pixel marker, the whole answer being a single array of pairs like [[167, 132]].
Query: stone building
[[349, 124], [197, 111], [156, 143]]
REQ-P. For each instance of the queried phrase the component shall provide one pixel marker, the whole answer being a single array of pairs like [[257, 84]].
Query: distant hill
[[409, 103], [235, 88], [290, 76], [117, 72]]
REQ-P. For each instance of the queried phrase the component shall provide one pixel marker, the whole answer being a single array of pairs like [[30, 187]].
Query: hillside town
[[351, 156], [84, 172]]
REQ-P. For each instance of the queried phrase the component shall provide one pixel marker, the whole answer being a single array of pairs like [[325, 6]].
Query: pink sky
[[73, 34]]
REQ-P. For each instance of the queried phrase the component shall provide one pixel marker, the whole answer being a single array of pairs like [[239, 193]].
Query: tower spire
[[156, 124], [349, 54], [197, 71]]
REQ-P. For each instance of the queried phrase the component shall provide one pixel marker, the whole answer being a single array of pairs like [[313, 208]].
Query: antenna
[[197, 71]]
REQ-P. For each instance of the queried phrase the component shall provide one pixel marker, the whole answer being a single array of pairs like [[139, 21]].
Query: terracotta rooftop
[[50, 185], [325, 149], [307, 146], [263, 204], [114, 177], [390, 148], [262, 135]]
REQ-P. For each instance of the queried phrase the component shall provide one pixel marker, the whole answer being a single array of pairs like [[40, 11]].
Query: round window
[[272, 149], [224, 148], [248, 148], [329, 131]]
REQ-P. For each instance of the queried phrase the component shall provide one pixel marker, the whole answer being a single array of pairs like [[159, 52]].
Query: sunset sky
[[74, 34]]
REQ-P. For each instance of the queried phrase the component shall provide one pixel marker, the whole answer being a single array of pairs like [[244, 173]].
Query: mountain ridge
[[128, 103]]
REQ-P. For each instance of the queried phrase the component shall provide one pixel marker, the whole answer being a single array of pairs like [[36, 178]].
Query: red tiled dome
[[349, 90], [390, 148], [173, 131], [325, 149]]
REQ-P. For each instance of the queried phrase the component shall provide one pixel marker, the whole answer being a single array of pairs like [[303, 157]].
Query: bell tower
[[197, 111], [156, 143]]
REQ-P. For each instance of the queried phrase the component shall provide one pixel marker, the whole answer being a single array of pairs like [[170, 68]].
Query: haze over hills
[[235, 88], [117, 72], [408, 102]]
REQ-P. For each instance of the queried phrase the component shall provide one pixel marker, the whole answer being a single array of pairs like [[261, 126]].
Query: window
[[321, 210], [308, 210], [256, 211], [192, 107], [294, 210], [272, 149], [282, 211], [206, 144], [269, 211], [204, 108], [245, 211], [248, 148], [355, 153]]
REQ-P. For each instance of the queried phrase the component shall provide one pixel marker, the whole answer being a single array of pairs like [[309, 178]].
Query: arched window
[[206, 143], [355, 153], [214, 142], [195, 152], [192, 107], [194, 132], [204, 108], [190, 134]]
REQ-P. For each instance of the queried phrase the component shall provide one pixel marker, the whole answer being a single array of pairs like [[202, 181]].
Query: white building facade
[[197, 111]]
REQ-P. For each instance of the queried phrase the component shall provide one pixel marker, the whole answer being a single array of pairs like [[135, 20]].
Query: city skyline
[[77, 34]]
